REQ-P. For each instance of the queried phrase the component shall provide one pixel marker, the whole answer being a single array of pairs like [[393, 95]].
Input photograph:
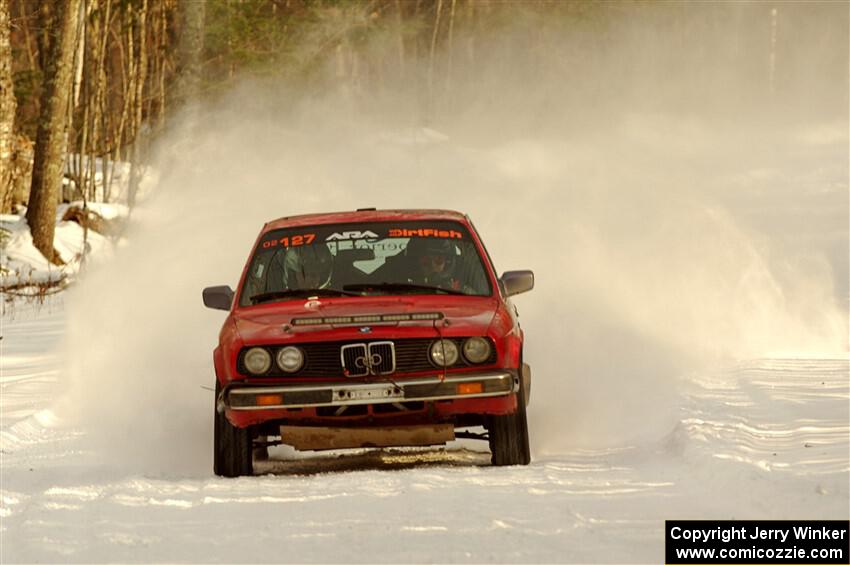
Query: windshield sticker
[[346, 235], [425, 232], [294, 241]]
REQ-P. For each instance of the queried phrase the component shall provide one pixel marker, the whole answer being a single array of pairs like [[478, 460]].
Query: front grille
[[411, 355], [324, 359], [382, 357], [361, 359], [354, 358]]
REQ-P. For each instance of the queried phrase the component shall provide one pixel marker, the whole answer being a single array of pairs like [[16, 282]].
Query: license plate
[[374, 393]]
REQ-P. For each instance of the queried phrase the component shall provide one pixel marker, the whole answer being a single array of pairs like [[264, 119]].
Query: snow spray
[[657, 203]]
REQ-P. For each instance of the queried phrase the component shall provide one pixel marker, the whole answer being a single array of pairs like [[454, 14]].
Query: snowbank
[[24, 269]]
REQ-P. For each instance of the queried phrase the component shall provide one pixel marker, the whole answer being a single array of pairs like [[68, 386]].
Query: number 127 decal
[[294, 241]]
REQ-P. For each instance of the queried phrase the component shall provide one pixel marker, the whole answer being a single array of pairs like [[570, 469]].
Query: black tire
[[232, 453], [508, 435]]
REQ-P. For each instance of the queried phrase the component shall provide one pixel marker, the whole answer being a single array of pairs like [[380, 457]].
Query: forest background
[[88, 84]]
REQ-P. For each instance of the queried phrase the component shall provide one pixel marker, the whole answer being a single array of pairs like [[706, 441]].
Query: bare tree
[[8, 103], [51, 139], [191, 45], [431, 55], [138, 83]]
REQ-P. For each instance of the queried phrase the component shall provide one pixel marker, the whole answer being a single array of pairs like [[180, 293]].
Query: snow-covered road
[[767, 438]]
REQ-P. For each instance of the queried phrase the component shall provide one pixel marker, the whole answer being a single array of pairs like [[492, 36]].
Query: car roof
[[362, 215]]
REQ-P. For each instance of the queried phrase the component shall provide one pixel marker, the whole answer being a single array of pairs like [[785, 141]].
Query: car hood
[[465, 315]]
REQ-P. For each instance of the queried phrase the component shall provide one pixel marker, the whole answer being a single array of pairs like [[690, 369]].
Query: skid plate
[[311, 438]]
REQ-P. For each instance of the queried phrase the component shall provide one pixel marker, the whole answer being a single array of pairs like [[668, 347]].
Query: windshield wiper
[[401, 286], [298, 292]]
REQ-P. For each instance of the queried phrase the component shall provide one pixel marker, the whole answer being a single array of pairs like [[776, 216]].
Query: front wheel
[[508, 435], [232, 453]]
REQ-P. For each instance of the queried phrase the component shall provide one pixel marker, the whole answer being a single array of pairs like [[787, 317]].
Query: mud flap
[[526, 381]]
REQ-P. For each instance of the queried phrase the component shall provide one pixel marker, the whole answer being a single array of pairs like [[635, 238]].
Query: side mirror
[[218, 297], [516, 282]]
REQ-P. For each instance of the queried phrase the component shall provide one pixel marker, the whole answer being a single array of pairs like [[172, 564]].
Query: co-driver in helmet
[[308, 267]]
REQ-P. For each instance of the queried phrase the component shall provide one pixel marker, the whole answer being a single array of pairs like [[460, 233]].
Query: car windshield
[[365, 259]]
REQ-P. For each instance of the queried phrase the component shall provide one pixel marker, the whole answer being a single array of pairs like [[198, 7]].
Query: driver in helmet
[[308, 267], [436, 260]]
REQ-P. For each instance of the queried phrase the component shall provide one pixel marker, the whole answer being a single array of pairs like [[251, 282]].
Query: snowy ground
[[758, 439], [23, 264], [767, 438]]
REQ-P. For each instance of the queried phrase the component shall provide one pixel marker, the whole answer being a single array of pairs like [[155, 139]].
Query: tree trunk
[[431, 55], [138, 101], [400, 37], [80, 57], [162, 49], [51, 139], [190, 47], [7, 107], [46, 19], [30, 50], [450, 50], [99, 125]]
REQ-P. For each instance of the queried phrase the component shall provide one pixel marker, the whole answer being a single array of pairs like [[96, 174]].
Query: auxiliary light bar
[[368, 319]]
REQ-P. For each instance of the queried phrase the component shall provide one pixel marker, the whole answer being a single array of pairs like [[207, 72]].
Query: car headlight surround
[[443, 353], [477, 349], [257, 360], [290, 359]]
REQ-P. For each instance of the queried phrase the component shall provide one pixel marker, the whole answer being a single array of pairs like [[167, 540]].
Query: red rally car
[[372, 328]]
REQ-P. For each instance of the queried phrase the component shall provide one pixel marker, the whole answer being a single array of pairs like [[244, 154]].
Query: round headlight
[[476, 349], [257, 360], [290, 359], [443, 352]]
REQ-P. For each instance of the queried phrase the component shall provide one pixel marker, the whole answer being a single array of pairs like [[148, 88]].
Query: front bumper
[[485, 384]]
